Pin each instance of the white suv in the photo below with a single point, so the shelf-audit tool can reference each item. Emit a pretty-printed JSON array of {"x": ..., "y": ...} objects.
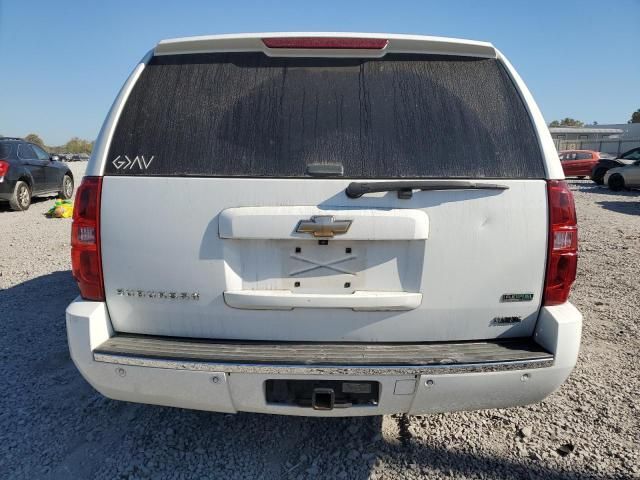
[{"x": 324, "y": 224}]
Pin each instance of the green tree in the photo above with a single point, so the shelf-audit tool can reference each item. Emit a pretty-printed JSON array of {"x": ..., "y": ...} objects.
[
  {"x": 33, "y": 138},
  {"x": 567, "y": 122},
  {"x": 78, "y": 145},
  {"x": 635, "y": 117}
]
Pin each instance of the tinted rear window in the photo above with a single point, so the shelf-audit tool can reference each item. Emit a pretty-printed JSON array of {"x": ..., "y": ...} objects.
[
  {"x": 5, "y": 150},
  {"x": 402, "y": 116}
]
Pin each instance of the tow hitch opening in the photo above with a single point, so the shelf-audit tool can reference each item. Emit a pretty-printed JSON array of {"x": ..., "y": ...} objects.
[
  {"x": 323, "y": 399},
  {"x": 322, "y": 394}
]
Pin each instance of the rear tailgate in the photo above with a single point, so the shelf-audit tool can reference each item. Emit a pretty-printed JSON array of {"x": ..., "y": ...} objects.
[
  {"x": 480, "y": 246},
  {"x": 209, "y": 212}
]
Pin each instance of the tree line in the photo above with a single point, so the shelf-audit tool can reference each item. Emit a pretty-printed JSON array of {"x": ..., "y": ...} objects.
[
  {"x": 75, "y": 145},
  {"x": 572, "y": 122}
]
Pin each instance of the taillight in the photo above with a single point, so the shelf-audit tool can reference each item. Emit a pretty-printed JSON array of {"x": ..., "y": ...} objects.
[
  {"x": 326, "y": 42},
  {"x": 86, "y": 262},
  {"x": 562, "y": 255},
  {"x": 4, "y": 169}
]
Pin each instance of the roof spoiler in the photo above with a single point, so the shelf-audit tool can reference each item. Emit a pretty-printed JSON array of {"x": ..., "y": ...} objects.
[{"x": 255, "y": 42}]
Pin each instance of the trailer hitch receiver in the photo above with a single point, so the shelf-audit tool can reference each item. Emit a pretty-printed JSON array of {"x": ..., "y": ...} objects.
[{"x": 323, "y": 399}]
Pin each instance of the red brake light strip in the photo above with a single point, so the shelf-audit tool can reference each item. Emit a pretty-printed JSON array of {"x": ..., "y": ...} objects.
[{"x": 326, "y": 43}]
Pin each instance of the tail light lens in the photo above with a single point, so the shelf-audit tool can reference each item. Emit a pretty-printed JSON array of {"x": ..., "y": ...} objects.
[
  {"x": 326, "y": 43},
  {"x": 562, "y": 257},
  {"x": 4, "y": 169},
  {"x": 86, "y": 262}
]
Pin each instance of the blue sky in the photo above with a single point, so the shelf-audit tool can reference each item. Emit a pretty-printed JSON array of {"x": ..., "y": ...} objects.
[{"x": 63, "y": 62}]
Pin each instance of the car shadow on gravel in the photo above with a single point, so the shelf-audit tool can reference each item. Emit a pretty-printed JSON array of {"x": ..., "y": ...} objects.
[
  {"x": 54, "y": 425},
  {"x": 4, "y": 206},
  {"x": 628, "y": 208},
  {"x": 602, "y": 189}
]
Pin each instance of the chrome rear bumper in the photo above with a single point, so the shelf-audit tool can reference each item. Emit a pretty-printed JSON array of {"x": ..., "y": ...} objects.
[{"x": 322, "y": 358}]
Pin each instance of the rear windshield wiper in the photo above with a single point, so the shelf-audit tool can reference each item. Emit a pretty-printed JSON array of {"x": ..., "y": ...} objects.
[{"x": 405, "y": 188}]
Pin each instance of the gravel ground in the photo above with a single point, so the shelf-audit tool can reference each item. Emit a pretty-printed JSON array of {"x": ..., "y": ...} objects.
[{"x": 54, "y": 425}]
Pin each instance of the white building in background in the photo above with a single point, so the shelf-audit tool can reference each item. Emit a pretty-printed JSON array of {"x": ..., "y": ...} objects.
[
  {"x": 610, "y": 138},
  {"x": 630, "y": 131}
]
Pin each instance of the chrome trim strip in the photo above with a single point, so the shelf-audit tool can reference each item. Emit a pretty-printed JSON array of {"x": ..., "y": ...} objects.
[{"x": 322, "y": 369}]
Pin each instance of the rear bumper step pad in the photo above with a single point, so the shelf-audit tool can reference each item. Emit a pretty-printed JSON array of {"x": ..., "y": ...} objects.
[{"x": 184, "y": 353}]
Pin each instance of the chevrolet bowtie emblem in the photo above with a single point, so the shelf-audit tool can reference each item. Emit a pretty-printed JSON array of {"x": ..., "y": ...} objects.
[{"x": 323, "y": 226}]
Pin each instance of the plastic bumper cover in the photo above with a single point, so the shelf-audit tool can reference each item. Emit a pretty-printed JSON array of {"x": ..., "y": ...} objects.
[{"x": 212, "y": 387}]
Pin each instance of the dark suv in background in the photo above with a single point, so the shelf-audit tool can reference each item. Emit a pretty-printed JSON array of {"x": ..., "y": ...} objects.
[{"x": 26, "y": 170}]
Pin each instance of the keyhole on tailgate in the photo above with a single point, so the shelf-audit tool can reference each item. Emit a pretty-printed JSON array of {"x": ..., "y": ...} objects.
[
  {"x": 323, "y": 242},
  {"x": 347, "y": 284},
  {"x": 297, "y": 284}
]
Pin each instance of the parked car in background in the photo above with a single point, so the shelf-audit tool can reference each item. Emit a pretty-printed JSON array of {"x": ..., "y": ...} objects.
[
  {"x": 357, "y": 266},
  {"x": 605, "y": 164},
  {"x": 578, "y": 163},
  {"x": 65, "y": 157},
  {"x": 80, "y": 157},
  {"x": 619, "y": 178},
  {"x": 75, "y": 157},
  {"x": 26, "y": 170}
]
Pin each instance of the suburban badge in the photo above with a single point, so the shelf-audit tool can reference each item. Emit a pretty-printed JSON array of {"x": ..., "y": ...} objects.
[
  {"x": 123, "y": 292},
  {"x": 516, "y": 297}
]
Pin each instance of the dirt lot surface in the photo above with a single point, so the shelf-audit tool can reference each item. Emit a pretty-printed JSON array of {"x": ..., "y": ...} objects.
[{"x": 54, "y": 425}]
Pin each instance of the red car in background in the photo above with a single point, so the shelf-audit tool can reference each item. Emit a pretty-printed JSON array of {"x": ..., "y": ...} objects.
[{"x": 578, "y": 163}]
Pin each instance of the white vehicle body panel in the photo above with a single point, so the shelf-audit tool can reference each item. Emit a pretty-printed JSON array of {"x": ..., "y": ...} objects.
[{"x": 461, "y": 272}]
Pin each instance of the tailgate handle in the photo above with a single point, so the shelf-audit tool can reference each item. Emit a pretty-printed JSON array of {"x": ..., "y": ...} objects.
[
  {"x": 287, "y": 300},
  {"x": 308, "y": 222},
  {"x": 405, "y": 188}
]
